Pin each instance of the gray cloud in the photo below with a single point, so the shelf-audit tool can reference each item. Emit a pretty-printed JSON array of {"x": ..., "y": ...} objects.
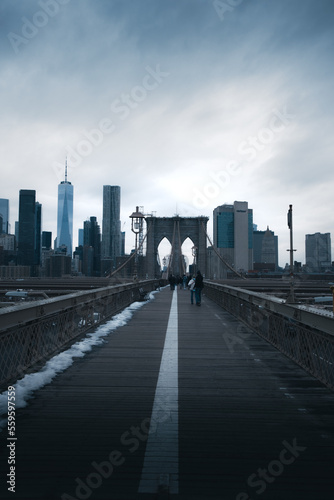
[{"x": 225, "y": 77}]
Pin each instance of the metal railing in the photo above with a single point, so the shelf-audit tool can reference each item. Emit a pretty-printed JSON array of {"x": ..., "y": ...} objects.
[
  {"x": 305, "y": 336},
  {"x": 34, "y": 331}
]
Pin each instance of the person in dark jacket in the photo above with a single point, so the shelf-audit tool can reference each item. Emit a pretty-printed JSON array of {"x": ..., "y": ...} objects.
[
  {"x": 172, "y": 281},
  {"x": 198, "y": 288}
]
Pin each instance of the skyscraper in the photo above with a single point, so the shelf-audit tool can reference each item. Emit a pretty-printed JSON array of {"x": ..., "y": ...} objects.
[
  {"x": 65, "y": 214},
  {"x": 318, "y": 251},
  {"x": 27, "y": 224},
  {"x": 265, "y": 251},
  {"x": 38, "y": 233},
  {"x": 46, "y": 240},
  {"x": 111, "y": 224},
  {"x": 233, "y": 234},
  {"x": 92, "y": 248},
  {"x": 4, "y": 214}
]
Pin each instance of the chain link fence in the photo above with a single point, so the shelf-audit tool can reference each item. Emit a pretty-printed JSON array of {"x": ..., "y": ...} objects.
[
  {"x": 302, "y": 334},
  {"x": 33, "y": 332}
]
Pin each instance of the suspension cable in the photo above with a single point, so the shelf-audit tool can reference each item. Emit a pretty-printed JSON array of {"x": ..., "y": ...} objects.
[
  {"x": 227, "y": 264},
  {"x": 171, "y": 252},
  {"x": 132, "y": 255},
  {"x": 180, "y": 249}
]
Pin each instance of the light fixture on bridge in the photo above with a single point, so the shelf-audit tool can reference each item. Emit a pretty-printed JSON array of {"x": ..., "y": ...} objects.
[
  {"x": 194, "y": 251},
  {"x": 137, "y": 220}
]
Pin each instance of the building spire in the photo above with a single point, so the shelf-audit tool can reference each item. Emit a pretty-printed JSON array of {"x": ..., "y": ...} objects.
[{"x": 66, "y": 170}]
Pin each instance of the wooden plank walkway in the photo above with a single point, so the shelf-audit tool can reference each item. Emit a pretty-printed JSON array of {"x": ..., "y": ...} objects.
[{"x": 251, "y": 424}]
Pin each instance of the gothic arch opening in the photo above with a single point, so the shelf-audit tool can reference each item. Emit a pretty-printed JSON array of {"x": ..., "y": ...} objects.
[
  {"x": 187, "y": 252},
  {"x": 163, "y": 254}
]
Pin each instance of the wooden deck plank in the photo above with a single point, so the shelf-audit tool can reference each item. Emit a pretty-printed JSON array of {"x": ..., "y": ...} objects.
[{"x": 238, "y": 404}]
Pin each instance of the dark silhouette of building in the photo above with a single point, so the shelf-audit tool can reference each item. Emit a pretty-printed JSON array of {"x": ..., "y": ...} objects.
[
  {"x": 58, "y": 265},
  {"x": 46, "y": 240},
  {"x": 38, "y": 234},
  {"x": 27, "y": 224},
  {"x": 78, "y": 259},
  {"x": 92, "y": 248}
]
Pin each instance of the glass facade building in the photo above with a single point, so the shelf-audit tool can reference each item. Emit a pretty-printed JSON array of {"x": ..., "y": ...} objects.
[
  {"x": 4, "y": 214},
  {"x": 233, "y": 234},
  {"x": 111, "y": 224},
  {"x": 65, "y": 216}
]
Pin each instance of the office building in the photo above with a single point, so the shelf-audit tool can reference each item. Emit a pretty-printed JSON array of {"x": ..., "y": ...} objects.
[
  {"x": 4, "y": 215},
  {"x": 91, "y": 248},
  {"x": 26, "y": 227},
  {"x": 265, "y": 250},
  {"x": 123, "y": 243},
  {"x": 233, "y": 236},
  {"x": 46, "y": 240},
  {"x": 111, "y": 224},
  {"x": 65, "y": 215},
  {"x": 7, "y": 242},
  {"x": 38, "y": 234},
  {"x": 58, "y": 265},
  {"x": 318, "y": 252},
  {"x": 80, "y": 237}
]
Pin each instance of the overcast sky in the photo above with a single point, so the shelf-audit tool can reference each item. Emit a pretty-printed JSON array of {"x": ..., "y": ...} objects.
[{"x": 185, "y": 104}]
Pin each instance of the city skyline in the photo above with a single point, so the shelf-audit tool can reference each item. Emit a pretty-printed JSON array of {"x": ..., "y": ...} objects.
[
  {"x": 111, "y": 202},
  {"x": 184, "y": 106}
]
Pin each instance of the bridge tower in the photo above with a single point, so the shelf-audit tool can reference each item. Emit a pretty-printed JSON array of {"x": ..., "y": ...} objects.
[{"x": 176, "y": 230}]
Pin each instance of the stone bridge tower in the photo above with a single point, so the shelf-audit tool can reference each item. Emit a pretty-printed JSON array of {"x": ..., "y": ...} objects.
[{"x": 176, "y": 230}]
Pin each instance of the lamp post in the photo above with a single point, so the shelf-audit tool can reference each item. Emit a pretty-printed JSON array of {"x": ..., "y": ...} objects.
[
  {"x": 137, "y": 219},
  {"x": 194, "y": 252},
  {"x": 291, "y": 297}
]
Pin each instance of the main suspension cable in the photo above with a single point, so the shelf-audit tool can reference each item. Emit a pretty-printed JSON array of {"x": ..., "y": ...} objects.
[
  {"x": 132, "y": 255},
  {"x": 227, "y": 264}
]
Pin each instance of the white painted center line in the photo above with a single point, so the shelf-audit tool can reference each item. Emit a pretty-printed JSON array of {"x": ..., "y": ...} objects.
[{"x": 161, "y": 460}]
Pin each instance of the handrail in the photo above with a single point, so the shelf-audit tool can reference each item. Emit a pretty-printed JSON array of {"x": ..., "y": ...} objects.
[
  {"x": 33, "y": 332},
  {"x": 306, "y": 315},
  {"x": 302, "y": 334},
  {"x": 30, "y": 311}
]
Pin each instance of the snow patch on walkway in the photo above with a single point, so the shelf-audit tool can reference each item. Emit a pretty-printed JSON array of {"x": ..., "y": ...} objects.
[{"x": 25, "y": 387}]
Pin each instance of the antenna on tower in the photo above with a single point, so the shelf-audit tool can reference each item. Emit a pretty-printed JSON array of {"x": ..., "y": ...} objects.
[{"x": 66, "y": 170}]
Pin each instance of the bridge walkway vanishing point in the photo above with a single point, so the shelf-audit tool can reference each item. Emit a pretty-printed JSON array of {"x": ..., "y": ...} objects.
[{"x": 230, "y": 420}]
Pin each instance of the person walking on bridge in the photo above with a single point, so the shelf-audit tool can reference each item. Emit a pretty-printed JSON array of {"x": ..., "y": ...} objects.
[
  {"x": 172, "y": 281},
  {"x": 198, "y": 288},
  {"x": 191, "y": 286}
]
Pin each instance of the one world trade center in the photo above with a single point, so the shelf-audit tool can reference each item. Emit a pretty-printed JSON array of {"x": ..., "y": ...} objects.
[{"x": 65, "y": 215}]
